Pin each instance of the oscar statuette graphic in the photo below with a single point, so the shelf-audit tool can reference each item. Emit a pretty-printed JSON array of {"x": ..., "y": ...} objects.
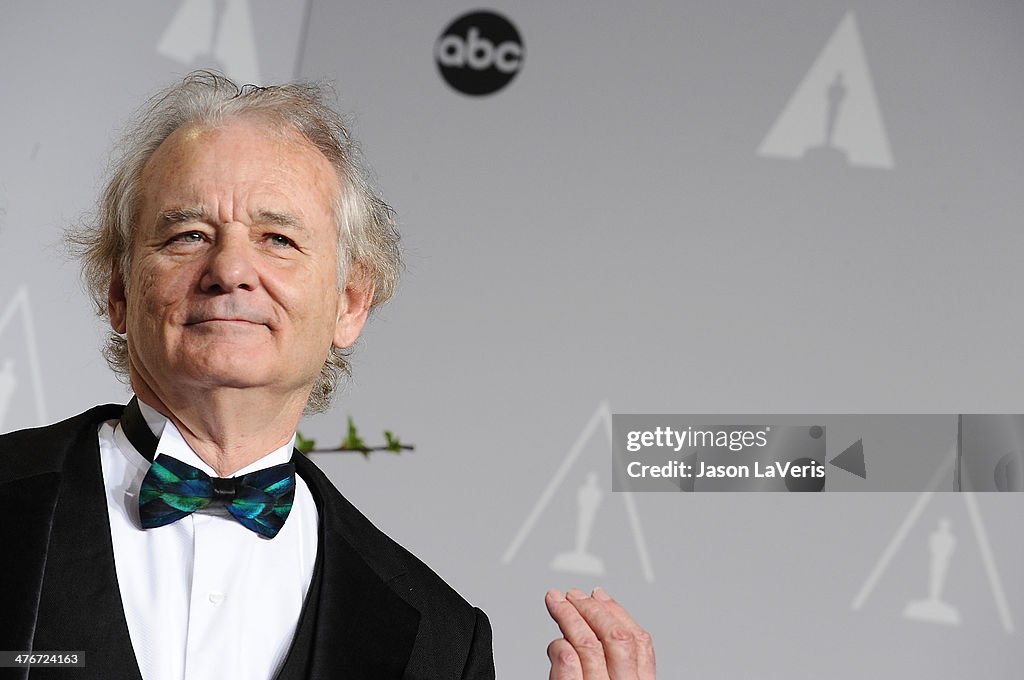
[
  {"x": 941, "y": 545},
  {"x": 579, "y": 561}
]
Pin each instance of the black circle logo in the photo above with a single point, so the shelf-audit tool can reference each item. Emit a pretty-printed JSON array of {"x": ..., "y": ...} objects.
[{"x": 479, "y": 53}]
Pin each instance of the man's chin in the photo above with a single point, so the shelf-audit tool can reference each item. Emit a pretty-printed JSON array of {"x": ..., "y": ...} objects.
[
  {"x": 232, "y": 370},
  {"x": 231, "y": 379}
]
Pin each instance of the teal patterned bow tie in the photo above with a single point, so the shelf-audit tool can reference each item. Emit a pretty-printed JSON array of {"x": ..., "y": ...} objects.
[{"x": 260, "y": 500}]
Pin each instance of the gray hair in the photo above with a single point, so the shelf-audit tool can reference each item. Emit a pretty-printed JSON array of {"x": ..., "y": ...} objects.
[{"x": 367, "y": 235}]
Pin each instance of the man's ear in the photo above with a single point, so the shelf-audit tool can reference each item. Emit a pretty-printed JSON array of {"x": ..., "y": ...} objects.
[
  {"x": 355, "y": 306},
  {"x": 117, "y": 303}
]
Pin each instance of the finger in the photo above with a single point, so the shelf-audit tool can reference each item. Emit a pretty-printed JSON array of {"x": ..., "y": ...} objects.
[
  {"x": 579, "y": 634},
  {"x": 617, "y": 639},
  {"x": 565, "y": 663},
  {"x": 644, "y": 643}
]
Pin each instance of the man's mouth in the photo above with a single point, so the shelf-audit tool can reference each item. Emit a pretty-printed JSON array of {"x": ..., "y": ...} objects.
[{"x": 231, "y": 321}]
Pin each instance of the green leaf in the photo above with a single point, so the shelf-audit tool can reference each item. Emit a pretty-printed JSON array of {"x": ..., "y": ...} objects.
[
  {"x": 353, "y": 442},
  {"x": 304, "y": 445},
  {"x": 393, "y": 443}
]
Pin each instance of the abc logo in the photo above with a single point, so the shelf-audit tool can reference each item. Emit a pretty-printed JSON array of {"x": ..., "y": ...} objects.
[{"x": 479, "y": 53}]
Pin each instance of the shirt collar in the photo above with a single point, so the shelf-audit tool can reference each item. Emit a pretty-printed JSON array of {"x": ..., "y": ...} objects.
[{"x": 173, "y": 444}]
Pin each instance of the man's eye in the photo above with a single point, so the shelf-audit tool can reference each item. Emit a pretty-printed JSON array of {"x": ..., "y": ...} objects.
[
  {"x": 188, "y": 237},
  {"x": 279, "y": 240}
]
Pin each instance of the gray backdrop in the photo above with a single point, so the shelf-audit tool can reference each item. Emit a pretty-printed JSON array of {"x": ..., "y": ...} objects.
[{"x": 652, "y": 217}]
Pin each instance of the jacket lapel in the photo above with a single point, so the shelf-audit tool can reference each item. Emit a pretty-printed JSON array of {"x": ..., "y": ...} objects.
[
  {"x": 33, "y": 483},
  {"x": 363, "y": 629},
  {"x": 89, "y": 615}
]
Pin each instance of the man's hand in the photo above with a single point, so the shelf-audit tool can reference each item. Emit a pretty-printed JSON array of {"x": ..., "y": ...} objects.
[{"x": 601, "y": 641}]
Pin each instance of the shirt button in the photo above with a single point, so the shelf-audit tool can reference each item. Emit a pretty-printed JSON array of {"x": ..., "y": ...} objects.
[{"x": 216, "y": 598}]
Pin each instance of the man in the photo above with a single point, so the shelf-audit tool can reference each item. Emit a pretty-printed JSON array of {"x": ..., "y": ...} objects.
[{"x": 238, "y": 251}]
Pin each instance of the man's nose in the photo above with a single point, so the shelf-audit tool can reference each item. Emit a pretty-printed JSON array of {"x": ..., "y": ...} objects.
[{"x": 230, "y": 265}]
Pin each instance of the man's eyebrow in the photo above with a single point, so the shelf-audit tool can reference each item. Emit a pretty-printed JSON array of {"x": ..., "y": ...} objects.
[
  {"x": 278, "y": 219},
  {"x": 174, "y": 216}
]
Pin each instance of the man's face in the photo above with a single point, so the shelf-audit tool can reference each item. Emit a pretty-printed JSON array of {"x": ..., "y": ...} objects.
[{"x": 233, "y": 282}]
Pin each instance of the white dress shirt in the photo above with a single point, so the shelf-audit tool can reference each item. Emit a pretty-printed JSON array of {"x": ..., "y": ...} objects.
[{"x": 204, "y": 597}]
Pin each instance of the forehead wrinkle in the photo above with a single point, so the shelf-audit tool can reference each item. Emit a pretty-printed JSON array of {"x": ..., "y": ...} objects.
[{"x": 296, "y": 159}]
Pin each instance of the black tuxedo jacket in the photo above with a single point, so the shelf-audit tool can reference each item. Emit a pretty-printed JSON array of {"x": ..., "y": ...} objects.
[{"x": 373, "y": 610}]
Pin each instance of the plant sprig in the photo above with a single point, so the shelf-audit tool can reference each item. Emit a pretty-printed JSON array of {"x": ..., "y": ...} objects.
[{"x": 353, "y": 443}]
